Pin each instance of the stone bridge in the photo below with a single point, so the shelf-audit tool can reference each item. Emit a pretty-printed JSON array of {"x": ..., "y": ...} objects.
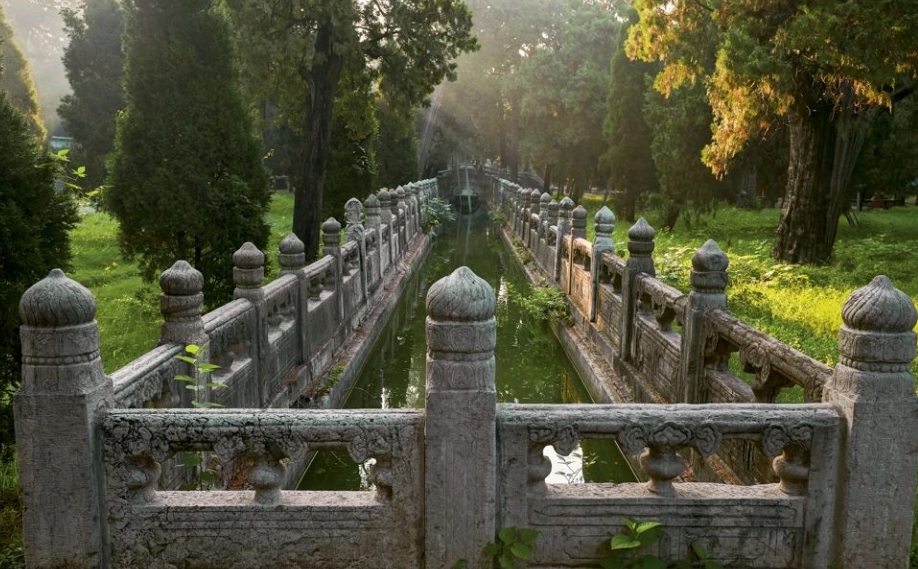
[{"x": 828, "y": 483}]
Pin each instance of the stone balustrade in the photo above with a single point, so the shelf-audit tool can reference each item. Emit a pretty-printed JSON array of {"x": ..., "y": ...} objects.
[{"x": 841, "y": 477}]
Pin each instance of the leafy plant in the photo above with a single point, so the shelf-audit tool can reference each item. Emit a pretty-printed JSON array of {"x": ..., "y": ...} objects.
[
  {"x": 544, "y": 303},
  {"x": 626, "y": 550},
  {"x": 511, "y": 546},
  {"x": 200, "y": 369},
  {"x": 497, "y": 216},
  {"x": 436, "y": 212}
]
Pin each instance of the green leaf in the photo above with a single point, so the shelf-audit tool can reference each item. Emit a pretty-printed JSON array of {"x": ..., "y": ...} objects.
[
  {"x": 506, "y": 562},
  {"x": 191, "y": 459},
  {"x": 623, "y": 542},
  {"x": 507, "y": 534},
  {"x": 646, "y": 526},
  {"x": 207, "y": 367},
  {"x": 186, "y": 359},
  {"x": 183, "y": 378},
  {"x": 216, "y": 385},
  {"x": 522, "y": 551},
  {"x": 192, "y": 349},
  {"x": 700, "y": 552},
  {"x": 651, "y": 562},
  {"x": 612, "y": 563},
  {"x": 681, "y": 564},
  {"x": 491, "y": 550},
  {"x": 528, "y": 535}
]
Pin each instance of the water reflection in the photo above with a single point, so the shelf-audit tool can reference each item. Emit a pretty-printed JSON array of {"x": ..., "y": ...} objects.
[{"x": 532, "y": 367}]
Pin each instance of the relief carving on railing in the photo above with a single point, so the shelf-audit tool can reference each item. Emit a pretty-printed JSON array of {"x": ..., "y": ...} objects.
[{"x": 564, "y": 440}]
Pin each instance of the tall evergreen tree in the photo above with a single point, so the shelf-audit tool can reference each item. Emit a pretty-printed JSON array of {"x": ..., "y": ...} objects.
[
  {"x": 186, "y": 178},
  {"x": 94, "y": 61},
  {"x": 16, "y": 80},
  {"x": 35, "y": 221}
]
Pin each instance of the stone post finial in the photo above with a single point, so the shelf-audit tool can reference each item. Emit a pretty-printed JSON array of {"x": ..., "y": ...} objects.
[
  {"x": 873, "y": 388},
  {"x": 535, "y": 197},
  {"x": 63, "y": 397},
  {"x": 640, "y": 241},
  {"x": 331, "y": 234},
  {"x": 709, "y": 270},
  {"x": 579, "y": 222},
  {"x": 640, "y": 249},
  {"x": 292, "y": 255},
  {"x": 372, "y": 205},
  {"x": 553, "y": 212},
  {"x": 604, "y": 223},
  {"x": 461, "y": 405},
  {"x": 248, "y": 268},
  {"x": 400, "y": 193},
  {"x": 181, "y": 304},
  {"x": 385, "y": 204}
]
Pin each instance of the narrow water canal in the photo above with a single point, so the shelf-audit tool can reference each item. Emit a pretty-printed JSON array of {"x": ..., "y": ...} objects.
[{"x": 532, "y": 367}]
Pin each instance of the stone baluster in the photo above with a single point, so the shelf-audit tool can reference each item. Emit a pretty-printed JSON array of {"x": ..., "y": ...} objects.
[
  {"x": 579, "y": 223},
  {"x": 640, "y": 249},
  {"x": 267, "y": 477},
  {"x": 372, "y": 205},
  {"x": 385, "y": 212},
  {"x": 401, "y": 211},
  {"x": 353, "y": 212},
  {"x": 63, "y": 397},
  {"x": 331, "y": 243},
  {"x": 523, "y": 224},
  {"x": 534, "y": 197},
  {"x": 604, "y": 224},
  {"x": 182, "y": 304},
  {"x": 564, "y": 228},
  {"x": 415, "y": 210},
  {"x": 544, "y": 201},
  {"x": 708, "y": 279},
  {"x": 292, "y": 261},
  {"x": 553, "y": 210},
  {"x": 461, "y": 454},
  {"x": 248, "y": 272},
  {"x": 874, "y": 389}
]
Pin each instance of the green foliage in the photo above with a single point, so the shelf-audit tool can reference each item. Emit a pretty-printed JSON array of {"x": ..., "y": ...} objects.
[
  {"x": 34, "y": 224},
  {"x": 94, "y": 62},
  {"x": 16, "y": 80},
  {"x": 396, "y": 146},
  {"x": 200, "y": 370},
  {"x": 437, "y": 212},
  {"x": 497, "y": 216},
  {"x": 626, "y": 550},
  {"x": 543, "y": 303},
  {"x": 11, "y": 550},
  {"x": 186, "y": 179},
  {"x": 511, "y": 546}
]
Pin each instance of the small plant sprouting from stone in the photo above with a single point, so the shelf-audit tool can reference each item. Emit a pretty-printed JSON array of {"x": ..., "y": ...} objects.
[
  {"x": 625, "y": 550},
  {"x": 498, "y": 217},
  {"x": 512, "y": 546},
  {"x": 200, "y": 369}
]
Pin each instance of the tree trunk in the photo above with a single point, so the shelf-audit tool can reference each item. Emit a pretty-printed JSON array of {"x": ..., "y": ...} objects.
[
  {"x": 546, "y": 181},
  {"x": 322, "y": 79},
  {"x": 824, "y": 146}
]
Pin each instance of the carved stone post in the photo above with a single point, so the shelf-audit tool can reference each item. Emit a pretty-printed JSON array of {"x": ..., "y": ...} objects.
[
  {"x": 64, "y": 396},
  {"x": 604, "y": 223},
  {"x": 385, "y": 213},
  {"x": 331, "y": 243},
  {"x": 564, "y": 228},
  {"x": 640, "y": 249},
  {"x": 401, "y": 211},
  {"x": 374, "y": 222},
  {"x": 709, "y": 279},
  {"x": 535, "y": 197},
  {"x": 461, "y": 455},
  {"x": 873, "y": 388},
  {"x": 292, "y": 259},
  {"x": 181, "y": 304},
  {"x": 248, "y": 272},
  {"x": 553, "y": 210},
  {"x": 579, "y": 223},
  {"x": 353, "y": 212}
]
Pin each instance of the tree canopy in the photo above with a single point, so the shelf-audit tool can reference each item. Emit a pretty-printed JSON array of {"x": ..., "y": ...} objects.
[
  {"x": 186, "y": 178},
  {"x": 16, "y": 80},
  {"x": 826, "y": 67},
  {"x": 94, "y": 61},
  {"x": 295, "y": 51}
]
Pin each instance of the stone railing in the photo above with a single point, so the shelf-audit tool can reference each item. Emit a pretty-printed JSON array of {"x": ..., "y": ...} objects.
[
  {"x": 441, "y": 481},
  {"x": 663, "y": 345}
]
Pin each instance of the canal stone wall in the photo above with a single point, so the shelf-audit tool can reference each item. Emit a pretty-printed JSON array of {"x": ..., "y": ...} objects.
[{"x": 839, "y": 491}]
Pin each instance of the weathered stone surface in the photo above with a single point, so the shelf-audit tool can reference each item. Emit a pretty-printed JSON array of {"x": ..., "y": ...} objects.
[
  {"x": 181, "y": 304},
  {"x": 292, "y": 255}
]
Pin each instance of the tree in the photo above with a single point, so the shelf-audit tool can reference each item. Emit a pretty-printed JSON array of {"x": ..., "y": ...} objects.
[
  {"x": 628, "y": 158},
  {"x": 94, "y": 61},
  {"x": 186, "y": 178},
  {"x": 16, "y": 80},
  {"x": 296, "y": 52},
  {"x": 396, "y": 146},
  {"x": 829, "y": 68},
  {"x": 35, "y": 221}
]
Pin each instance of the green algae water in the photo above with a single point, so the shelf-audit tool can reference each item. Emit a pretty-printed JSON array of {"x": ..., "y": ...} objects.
[{"x": 532, "y": 367}]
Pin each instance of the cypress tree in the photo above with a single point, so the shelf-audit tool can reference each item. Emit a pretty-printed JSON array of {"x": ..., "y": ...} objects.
[
  {"x": 16, "y": 80},
  {"x": 94, "y": 62},
  {"x": 186, "y": 177}
]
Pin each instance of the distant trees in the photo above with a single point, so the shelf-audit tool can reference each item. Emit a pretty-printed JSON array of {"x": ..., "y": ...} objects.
[
  {"x": 35, "y": 221},
  {"x": 296, "y": 52},
  {"x": 186, "y": 178},
  {"x": 94, "y": 62},
  {"x": 827, "y": 68},
  {"x": 16, "y": 80}
]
